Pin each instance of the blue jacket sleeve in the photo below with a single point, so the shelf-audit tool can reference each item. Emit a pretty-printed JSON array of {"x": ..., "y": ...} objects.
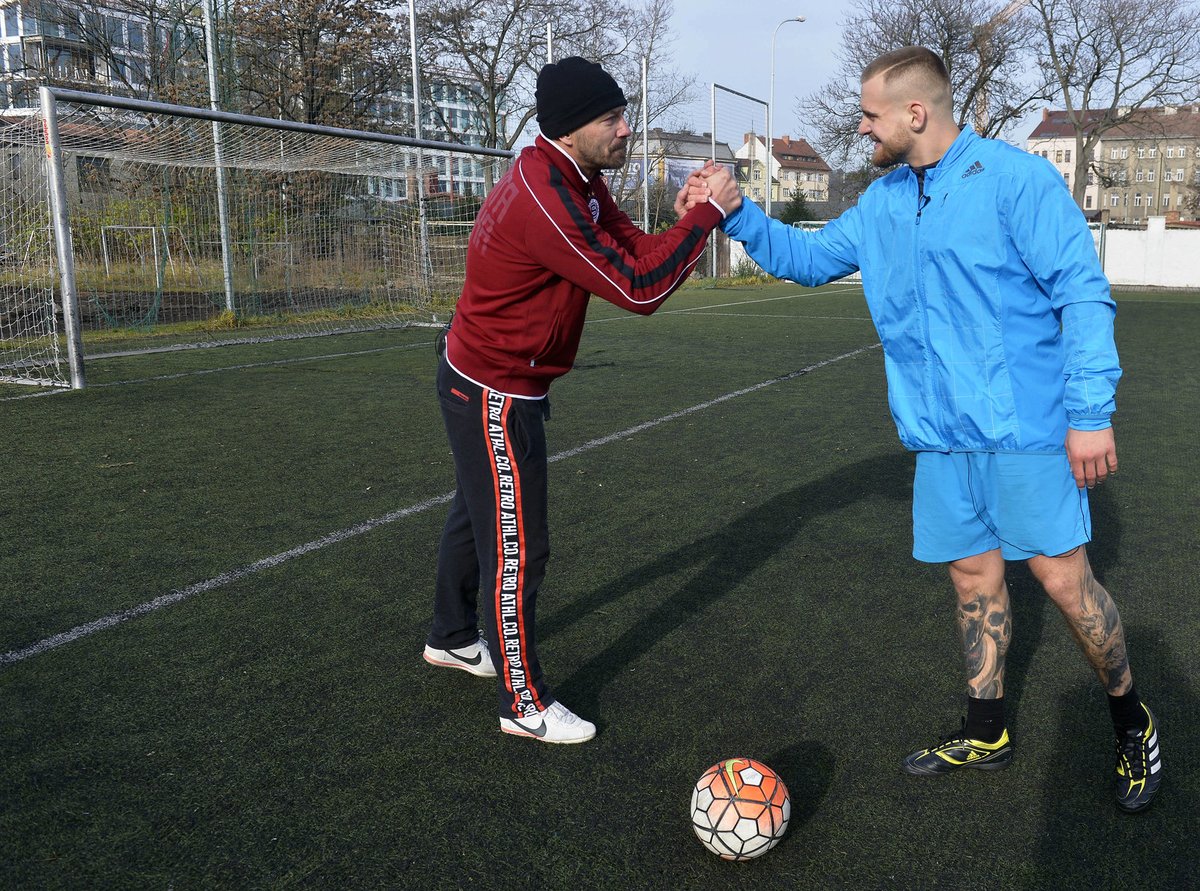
[
  {"x": 1052, "y": 237},
  {"x": 810, "y": 258}
]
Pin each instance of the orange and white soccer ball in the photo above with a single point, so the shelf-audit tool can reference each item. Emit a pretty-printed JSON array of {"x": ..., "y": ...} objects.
[{"x": 740, "y": 808}]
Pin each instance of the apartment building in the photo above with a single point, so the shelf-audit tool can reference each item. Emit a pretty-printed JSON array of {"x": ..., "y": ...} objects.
[
  {"x": 1149, "y": 166},
  {"x": 98, "y": 48},
  {"x": 793, "y": 165}
]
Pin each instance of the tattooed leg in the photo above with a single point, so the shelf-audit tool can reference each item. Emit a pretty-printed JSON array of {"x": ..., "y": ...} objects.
[
  {"x": 984, "y": 621},
  {"x": 1091, "y": 615}
]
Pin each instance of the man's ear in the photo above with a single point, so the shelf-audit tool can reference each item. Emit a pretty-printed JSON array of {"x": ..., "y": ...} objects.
[{"x": 918, "y": 116}]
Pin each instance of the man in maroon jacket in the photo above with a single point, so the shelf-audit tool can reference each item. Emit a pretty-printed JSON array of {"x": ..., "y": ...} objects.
[{"x": 547, "y": 236}]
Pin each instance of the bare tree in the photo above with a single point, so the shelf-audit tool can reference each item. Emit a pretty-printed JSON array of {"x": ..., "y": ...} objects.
[
  {"x": 983, "y": 45},
  {"x": 317, "y": 61},
  {"x": 493, "y": 49},
  {"x": 1110, "y": 59},
  {"x": 667, "y": 89}
]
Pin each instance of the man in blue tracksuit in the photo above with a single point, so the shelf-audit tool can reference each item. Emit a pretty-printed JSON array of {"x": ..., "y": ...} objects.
[{"x": 997, "y": 330}]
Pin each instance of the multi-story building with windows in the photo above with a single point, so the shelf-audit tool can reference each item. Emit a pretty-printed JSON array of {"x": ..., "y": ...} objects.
[
  {"x": 90, "y": 47},
  {"x": 1054, "y": 139},
  {"x": 1149, "y": 166},
  {"x": 1152, "y": 167},
  {"x": 103, "y": 49},
  {"x": 792, "y": 166}
]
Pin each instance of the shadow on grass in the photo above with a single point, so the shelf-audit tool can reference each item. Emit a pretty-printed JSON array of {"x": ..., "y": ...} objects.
[
  {"x": 809, "y": 768},
  {"x": 727, "y": 557},
  {"x": 1087, "y": 841}
]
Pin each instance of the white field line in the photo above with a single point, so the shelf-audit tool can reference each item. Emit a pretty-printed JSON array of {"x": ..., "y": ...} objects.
[
  {"x": 177, "y": 596},
  {"x": 623, "y": 317},
  {"x": 199, "y": 371},
  {"x": 699, "y": 309}
]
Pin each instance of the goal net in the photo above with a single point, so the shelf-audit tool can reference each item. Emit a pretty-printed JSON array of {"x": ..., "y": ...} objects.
[
  {"x": 30, "y": 350},
  {"x": 740, "y": 121},
  {"x": 323, "y": 231}
]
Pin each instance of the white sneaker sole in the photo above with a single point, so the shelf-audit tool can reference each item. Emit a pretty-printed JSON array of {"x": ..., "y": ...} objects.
[
  {"x": 514, "y": 729},
  {"x": 482, "y": 670}
]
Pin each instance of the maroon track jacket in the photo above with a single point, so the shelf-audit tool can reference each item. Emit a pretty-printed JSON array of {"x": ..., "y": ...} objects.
[{"x": 544, "y": 240}]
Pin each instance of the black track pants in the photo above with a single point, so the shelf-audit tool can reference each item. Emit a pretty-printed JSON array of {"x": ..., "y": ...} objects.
[{"x": 496, "y": 542}]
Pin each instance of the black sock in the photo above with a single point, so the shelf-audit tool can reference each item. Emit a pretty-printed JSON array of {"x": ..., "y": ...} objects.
[
  {"x": 1127, "y": 712},
  {"x": 985, "y": 719}
]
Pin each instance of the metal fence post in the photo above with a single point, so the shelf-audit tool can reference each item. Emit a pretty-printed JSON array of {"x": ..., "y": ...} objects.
[
  {"x": 210, "y": 38},
  {"x": 60, "y": 212}
]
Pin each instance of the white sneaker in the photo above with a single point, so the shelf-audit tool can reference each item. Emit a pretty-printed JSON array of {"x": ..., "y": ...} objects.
[
  {"x": 473, "y": 658},
  {"x": 557, "y": 724}
]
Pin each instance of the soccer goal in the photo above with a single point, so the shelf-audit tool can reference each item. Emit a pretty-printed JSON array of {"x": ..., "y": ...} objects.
[
  {"x": 193, "y": 227},
  {"x": 738, "y": 121}
]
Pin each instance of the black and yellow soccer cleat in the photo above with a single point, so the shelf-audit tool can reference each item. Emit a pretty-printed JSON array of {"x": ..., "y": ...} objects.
[
  {"x": 956, "y": 752},
  {"x": 1139, "y": 766}
]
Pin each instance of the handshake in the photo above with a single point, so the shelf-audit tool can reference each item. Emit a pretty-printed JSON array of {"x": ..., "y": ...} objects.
[{"x": 710, "y": 181}]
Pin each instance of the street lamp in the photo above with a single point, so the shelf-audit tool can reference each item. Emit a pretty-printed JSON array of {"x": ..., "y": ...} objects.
[{"x": 771, "y": 108}]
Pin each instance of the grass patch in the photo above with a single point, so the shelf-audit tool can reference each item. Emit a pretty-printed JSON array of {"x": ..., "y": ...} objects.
[{"x": 736, "y": 581}]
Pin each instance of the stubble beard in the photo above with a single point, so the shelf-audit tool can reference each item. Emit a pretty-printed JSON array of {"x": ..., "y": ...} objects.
[{"x": 616, "y": 156}]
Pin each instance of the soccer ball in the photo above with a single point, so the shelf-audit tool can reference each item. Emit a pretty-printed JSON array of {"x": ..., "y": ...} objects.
[{"x": 740, "y": 808}]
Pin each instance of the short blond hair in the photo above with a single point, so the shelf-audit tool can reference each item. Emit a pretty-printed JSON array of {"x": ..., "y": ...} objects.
[{"x": 914, "y": 67}]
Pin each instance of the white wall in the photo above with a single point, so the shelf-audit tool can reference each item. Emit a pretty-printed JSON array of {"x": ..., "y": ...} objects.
[{"x": 1155, "y": 256}]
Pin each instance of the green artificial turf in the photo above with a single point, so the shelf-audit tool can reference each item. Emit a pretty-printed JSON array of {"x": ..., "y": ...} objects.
[{"x": 735, "y": 580}]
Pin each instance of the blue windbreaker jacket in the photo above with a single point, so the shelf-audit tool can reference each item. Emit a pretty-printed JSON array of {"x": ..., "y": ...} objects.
[{"x": 995, "y": 317}]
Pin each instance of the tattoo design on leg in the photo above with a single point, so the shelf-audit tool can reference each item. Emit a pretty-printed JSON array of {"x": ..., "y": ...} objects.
[
  {"x": 1100, "y": 633},
  {"x": 985, "y": 625}
]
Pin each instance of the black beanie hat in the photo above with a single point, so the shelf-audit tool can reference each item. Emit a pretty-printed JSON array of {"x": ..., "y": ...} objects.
[{"x": 572, "y": 92}]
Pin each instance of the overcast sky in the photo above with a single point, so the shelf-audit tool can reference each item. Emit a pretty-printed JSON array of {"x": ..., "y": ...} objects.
[
  {"x": 733, "y": 48},
  {"x": 714, "y": 42}
]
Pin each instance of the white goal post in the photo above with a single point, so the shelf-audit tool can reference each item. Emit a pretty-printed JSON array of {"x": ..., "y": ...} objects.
[{"x": 113, "y": 241}]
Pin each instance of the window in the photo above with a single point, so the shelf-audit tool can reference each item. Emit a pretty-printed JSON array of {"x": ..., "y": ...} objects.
[
  {"x": 1141, "y": 176},
  {"x": 1067, "y": 179},
  {"x": 1178, "y": 174},
  {"x": 1087, "y": 201},
  {"x": 1166, "y": 201},
  {"x": 1124, "y": 153},
  {"x": 1137, "y": 199},
  {"x": 1113, "y": 200},
  {"x": 1170, "y": 151},
  {"x": 116, "y": 31},
  {"x": 11, "y": 28},
  {"x": 1112, "y": 154},
  {"x": 1149, "y": 176},
  {"x": 1058, "y": 157},
  {"x": 1067, "y": 156},
  {"x": 1141, "y": 152},
  {"x": 137, "y": 37},
  {"x": 1153, "y": 152}
]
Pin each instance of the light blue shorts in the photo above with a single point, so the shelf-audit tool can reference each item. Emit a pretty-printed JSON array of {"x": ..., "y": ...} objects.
[{"x": 967, "y": 503}]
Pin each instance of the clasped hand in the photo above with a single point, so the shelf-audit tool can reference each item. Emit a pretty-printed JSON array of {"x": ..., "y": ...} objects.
[{"x": 710, "y": 181}]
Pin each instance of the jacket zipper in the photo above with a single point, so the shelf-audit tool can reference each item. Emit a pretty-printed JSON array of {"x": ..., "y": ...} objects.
[{"x": 919, "y": 281}]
